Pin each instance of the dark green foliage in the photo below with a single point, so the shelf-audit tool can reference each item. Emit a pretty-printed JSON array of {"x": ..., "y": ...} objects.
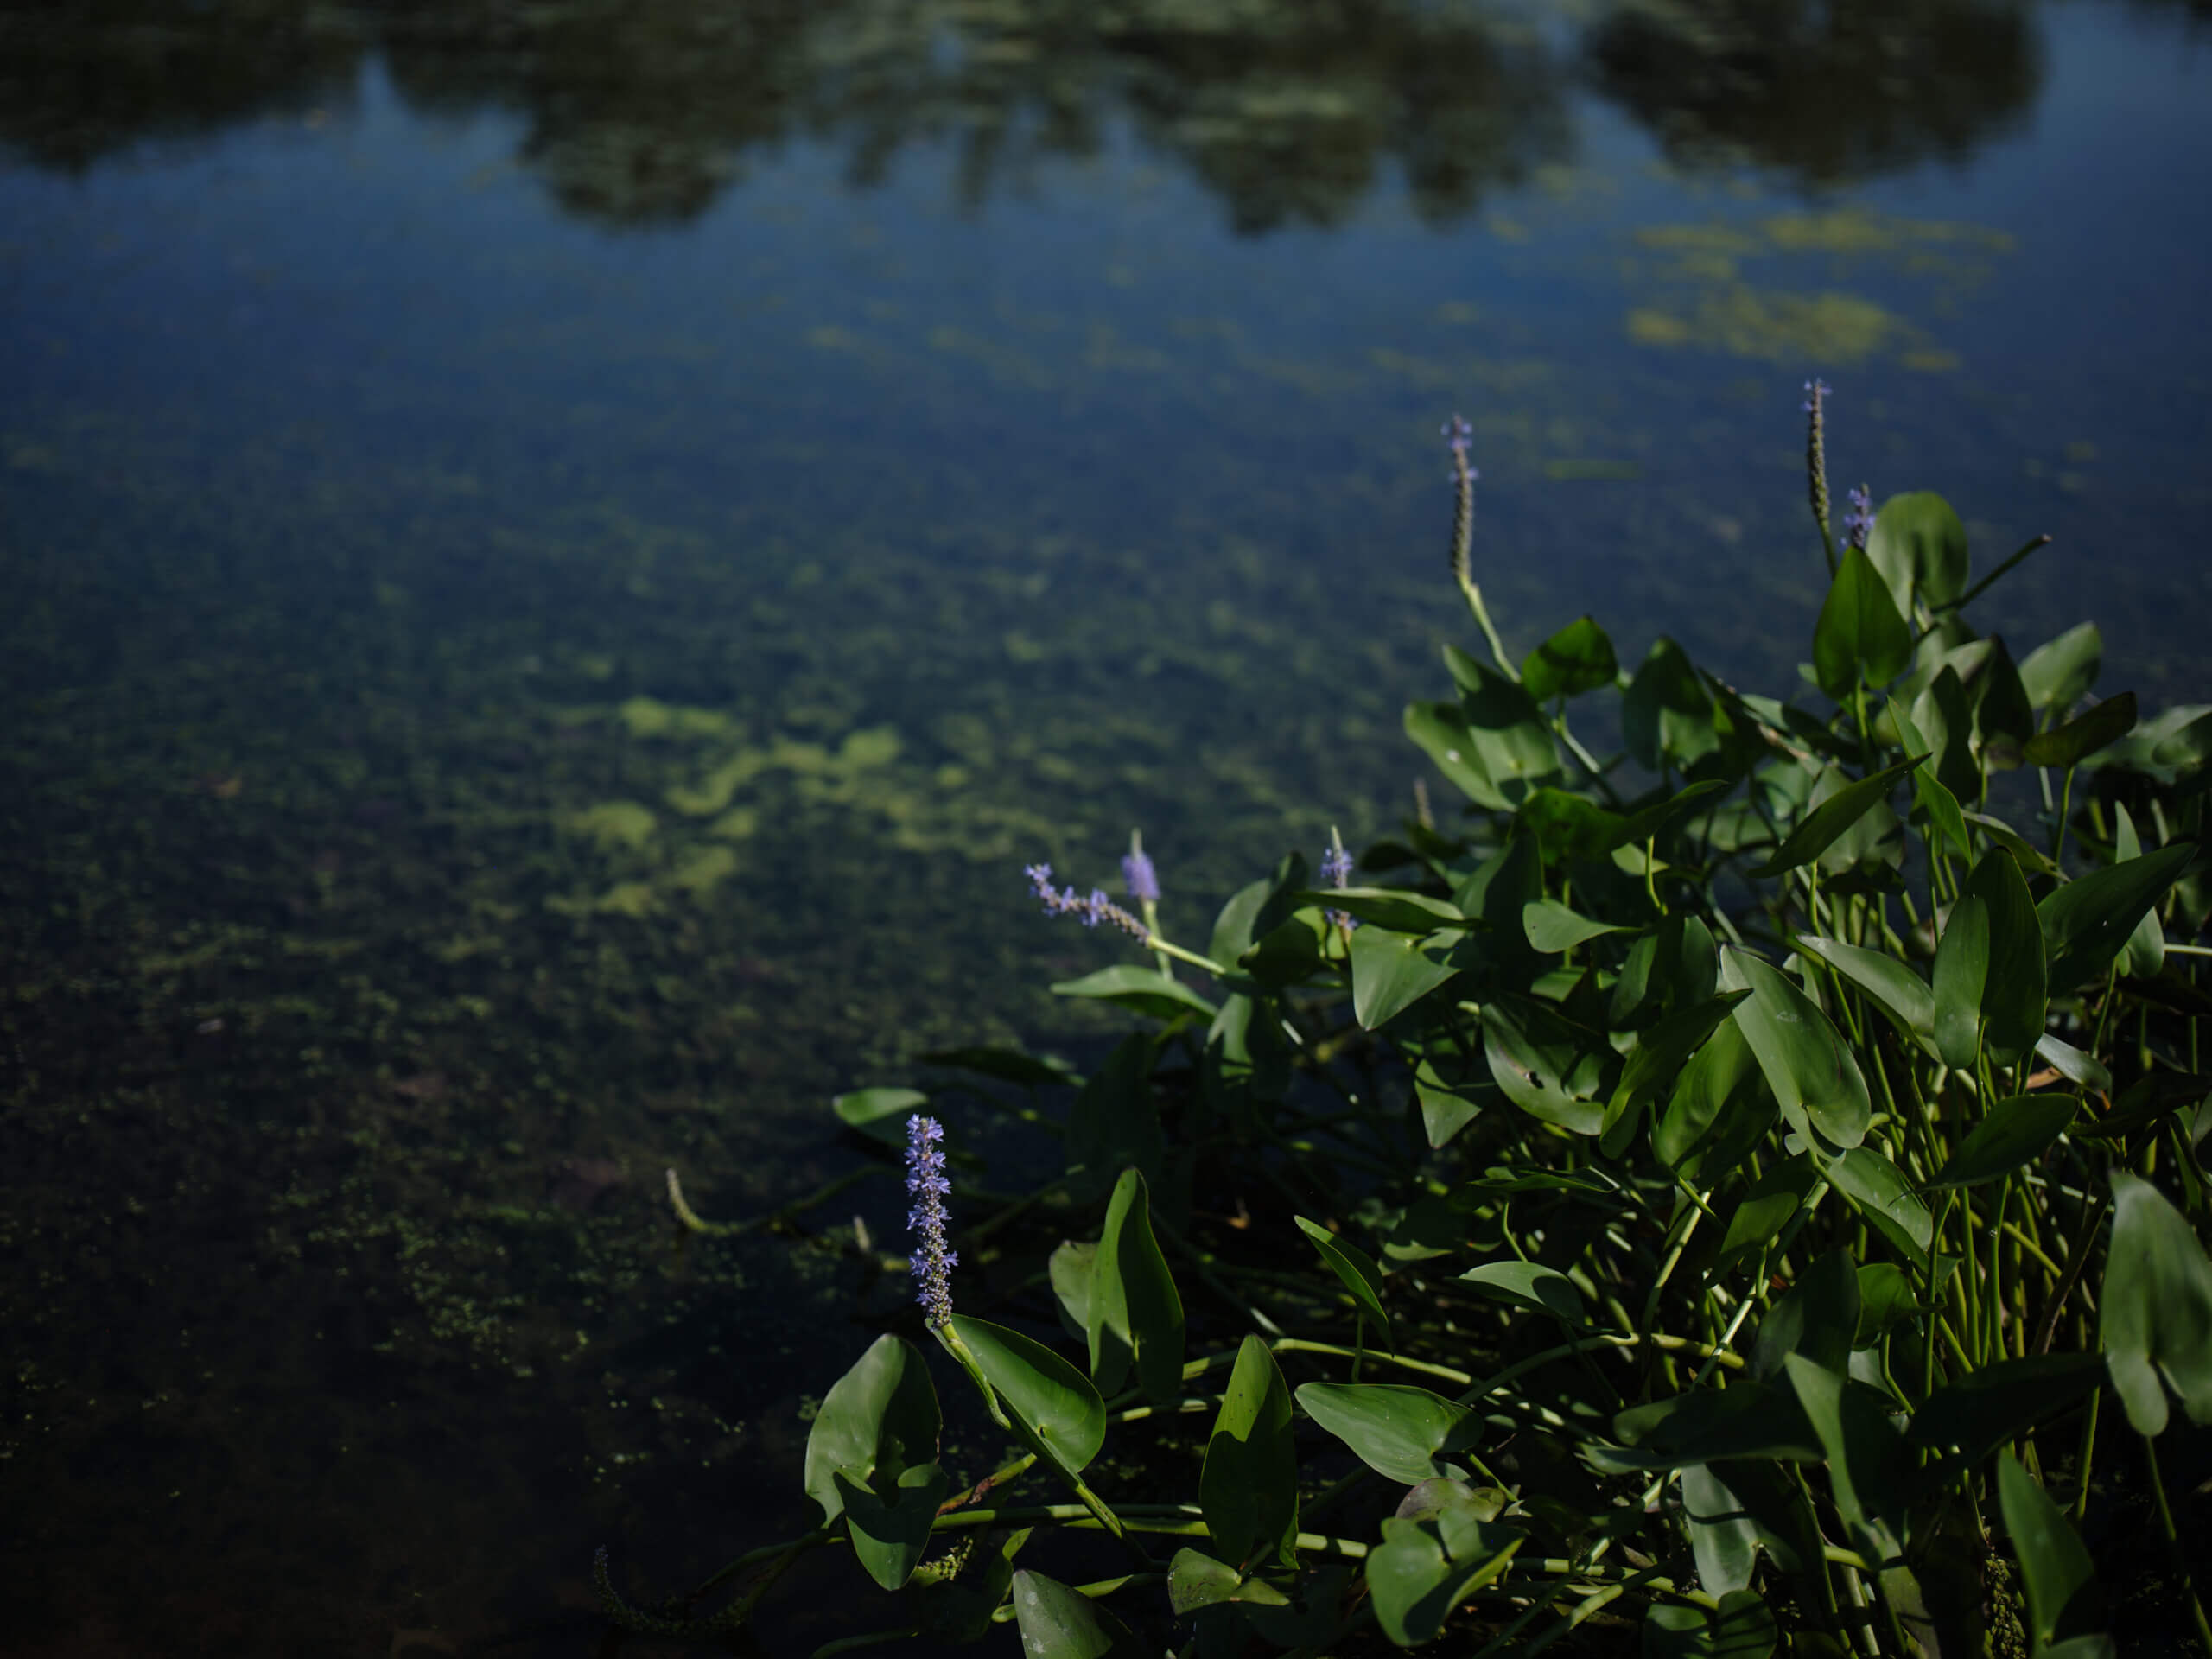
[{"x": 1706, "y": 1175}]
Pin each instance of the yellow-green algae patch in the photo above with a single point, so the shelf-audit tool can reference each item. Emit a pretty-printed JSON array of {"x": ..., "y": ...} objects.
[
  {"x": 613, "y": 824},
  {"x": 649, "y": 717},
  {"x": 1831, "y": 328},
  {"x": 703, "y": 868}
]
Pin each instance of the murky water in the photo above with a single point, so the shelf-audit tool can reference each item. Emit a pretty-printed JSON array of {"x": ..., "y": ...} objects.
[{"x": 557, "y": 561}]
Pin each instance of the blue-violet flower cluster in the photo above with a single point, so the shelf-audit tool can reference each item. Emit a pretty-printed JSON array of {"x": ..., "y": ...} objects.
[
  {"x": 1139, "y": 878},
  {"x": 1858, "y": 523},
  {"x": 1091, "y": 911},
  {"x": 926, "y": 1178},
  {"x": 1336, "y": 870}
]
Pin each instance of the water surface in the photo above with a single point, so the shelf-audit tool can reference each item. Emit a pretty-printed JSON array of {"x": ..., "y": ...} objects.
[{"x": 558, "y": 561}]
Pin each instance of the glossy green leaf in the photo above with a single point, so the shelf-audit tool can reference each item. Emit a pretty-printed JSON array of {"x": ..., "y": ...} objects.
[
  {"x": 1006, "y": 1065},
  {"x": 1195, "y": 1579},
  {"x": 1442, "y": 731},
  {"x": 1569, "y": 826},
  {"x": 2013, "y": 1133},
  {"x": 1821, "y": 827},
  {"x": 1388, "y": 907},
  {"x": 1878, "y": 1191},
  {"x": 1962, "y": 970},
  {"x": 1931, "y": 791},
  {"x": 1887, "y": 1301},
  {"x": 1140, "y": 989},
  {"x": 1667, "y": 712},
  {"x": 1753, "y": 1420},
  {"x": 880, "y": 1114},
  {"x": 2155, "y": 1315},
  {"x": 1901, "y": 994},
  {"x": 1742, "y": 1627},
  {"x": 1248, "y": 1488},
  {"x": 1920, "y": 547},
  {"x": 1073, "y": 1268},
  {"x": 1767, "y": 1207},
  {"x": 2087, "y": 922},
  {"x": 2084, "y": 1070},
  {"x": 1287, "y": 954},
  {"x": 1941, "y": 723},
  {"x": 1397, "y": 1431},
  {"x": 2095, "y": 727},
  {"x": 1135, "y": 1312},
  {"x": 1807, "y": 1063},
  {"x": 1724, "y": 1538},
  {"x": 1543, "y": 1065},
  {"x": 2016, "y": 992},
  {"x": 1051, "y": 1396},
  {"x": 1446, "y": 1108},
  {"x": 889, "y": 1522},
  {"x": 2025, "y": 852},
  {"x": 1860, "y": 637},
  {"x": 2061, "y": 1586},
  {"x": 2058, "y": 673},
  {"x": 1526, "y": 1284},
  {"x": 1817, "y": 1317},
  {"x": 1058, "y": 1624},
  {"x": 2145, "y": 953},
  {"x": 1114, "y": 1122},
  {"x": 1516, "y": 747},
  {"x": 1553, "y": 928},
  {"x": 1355, "y": 1270},
  {"x": 1661, "y": 1053},
  {"x": 1428, "y": 1564},
  {"x": 1390, "y": 972},
  {"x": 1578, "y": 658},
  {"x": 880, "y": 1416},
  {"x": 1870, "y": 1466},
  {"x": 1255, "y": 910},
  {"x": 1999, "y": 1403},
  {"x": 1720, "y": 1101}
]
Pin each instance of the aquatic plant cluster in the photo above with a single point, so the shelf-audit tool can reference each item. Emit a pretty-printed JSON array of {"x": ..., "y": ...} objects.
[{"x": 1741, "y": 1192}]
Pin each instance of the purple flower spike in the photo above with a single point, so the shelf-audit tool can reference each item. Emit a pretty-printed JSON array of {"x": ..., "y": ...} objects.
[
  {"x": 1089, "y": 912},
  {"x": 1139, "y": 878},
  {"x": 1336, "y": 867},
  {"x": 931, "y": 1262},
  {"x": 1858, "y": 523},
  {"x": 1459, "y": 436}
]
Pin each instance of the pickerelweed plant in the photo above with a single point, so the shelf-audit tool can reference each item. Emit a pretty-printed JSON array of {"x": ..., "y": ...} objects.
[{"x": 1748, "y": 1185}]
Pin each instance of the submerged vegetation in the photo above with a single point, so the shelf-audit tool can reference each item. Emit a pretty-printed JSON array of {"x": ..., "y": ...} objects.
[{"x": 1736, "y": 1186}]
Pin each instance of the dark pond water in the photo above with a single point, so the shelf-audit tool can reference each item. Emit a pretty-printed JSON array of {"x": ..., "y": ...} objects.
[{"x": 556, "y": 561}]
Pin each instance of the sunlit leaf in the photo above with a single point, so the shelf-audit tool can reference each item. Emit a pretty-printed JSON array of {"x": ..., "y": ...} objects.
[
  {"x": 1821, "y": 827},
  {"x": 1135, "y": 1312},
  {"x": 880, "y": 1114},
  {"x": 2156, "y": 1309},
  {"x": 2016, "y": 992},
  {"x": 1058, "y": 1624},
  {"x": 1196, "y": 1580},
  {"x": 1807, "y": 1063},
  {"x": 1399, "y": 1432},
  {"x": 1578, "y": 658},
  {"x": 1525, "y": 1284},
  {"x": 2058, "y": 673},
  {"x": 2061, "y": 1586},
  {"x": 1919, "y": 546},
  {"x": 2087, "y": 922},
  {"x": 1961, "y": 969},
  {"x": 1878, "y": 1191},
  {"x": 871, "y": 1456},
  {"x": 1390, "y": 972},
  {"x": 1428, "y": 1564},
  {"x": 1051, "y": 1396},
  {"x": 2014, "y": 1132},
  {"x": 1355, "y": 1270},
  {"x": 1139, "y": 990},
  {"x": 1553, "y": 928},
  {"x": 1860, "y": 636},
  {"x": 2093, "y": 729},
  {"x": 1248, "y": 1488},
  {"x": 1902, "y": 996}
]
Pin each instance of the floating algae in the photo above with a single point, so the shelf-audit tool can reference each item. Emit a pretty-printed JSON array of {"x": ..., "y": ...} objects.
[{"x": 614, "y": 824}]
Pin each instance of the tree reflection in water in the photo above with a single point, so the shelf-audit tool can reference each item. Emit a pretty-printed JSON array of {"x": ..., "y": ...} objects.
[{"x": 641, "y": 113}]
